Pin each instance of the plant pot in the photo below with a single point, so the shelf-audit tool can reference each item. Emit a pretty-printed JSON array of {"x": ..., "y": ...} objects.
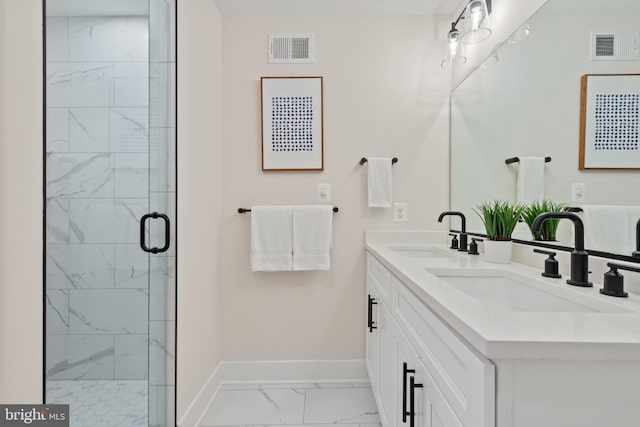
[{"x": 498, "y": 251}]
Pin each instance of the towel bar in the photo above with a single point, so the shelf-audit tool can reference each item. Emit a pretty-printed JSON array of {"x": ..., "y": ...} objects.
[
  {"x": 516, "y": 160},
  {"x": 364, "y": 160},
  {"x": 244, "y": 210}
]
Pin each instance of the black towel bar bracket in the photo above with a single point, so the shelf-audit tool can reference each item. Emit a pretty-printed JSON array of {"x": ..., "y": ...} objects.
[
  {"x": 244, "y": 210},
  {"x": 516, "y": 160},
  {"x": 364, "y": 160}
]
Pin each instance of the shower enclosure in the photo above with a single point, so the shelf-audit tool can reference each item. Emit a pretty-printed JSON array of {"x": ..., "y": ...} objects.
[{"x": 110, "y": 187}]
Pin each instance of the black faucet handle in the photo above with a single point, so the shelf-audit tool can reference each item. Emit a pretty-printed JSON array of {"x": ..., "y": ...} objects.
[
  {"x": 551, "y": 265},
  {"x": 473, "y": 246},
  {"x": 614, "y": 281},
  {"x": 540, "y": 251},
  {"x": 454, "y": 241}
]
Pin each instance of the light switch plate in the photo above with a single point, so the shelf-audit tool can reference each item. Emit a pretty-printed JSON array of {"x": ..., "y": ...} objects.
[
  {"x": 400, "y": 212},
  {"x": 577, "y": 192},
  {"x": 324, "y": 192}
]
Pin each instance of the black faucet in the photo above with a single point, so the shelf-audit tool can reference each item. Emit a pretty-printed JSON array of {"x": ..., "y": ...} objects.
[
  {"x": 636, "y": 253},
  {"x": 462, "y": 246},
  {"x": 579, "y": 257}
]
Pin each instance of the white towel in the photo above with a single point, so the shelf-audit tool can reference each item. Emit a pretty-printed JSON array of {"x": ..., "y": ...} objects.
[
  {"x": 271, "y": 238},
  {"x": 531, "y": 179},
  {"x": 610, "y": 228},
  {"x": 380, "y": 184},
  {"x": 312, "y": 237}
]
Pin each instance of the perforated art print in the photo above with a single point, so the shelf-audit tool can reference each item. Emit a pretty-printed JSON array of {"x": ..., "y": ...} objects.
[
  {"x": 610, "y": 127},
  {"x": 292, "y": 123}
]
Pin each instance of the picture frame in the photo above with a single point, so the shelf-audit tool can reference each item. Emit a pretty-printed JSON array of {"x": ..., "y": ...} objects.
[
  {"x": 292, "y": 123},
  {"x": 609, "y": 122}
]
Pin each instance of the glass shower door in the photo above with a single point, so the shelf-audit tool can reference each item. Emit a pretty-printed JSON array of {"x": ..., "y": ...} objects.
[{"x": 110, "y": 163}]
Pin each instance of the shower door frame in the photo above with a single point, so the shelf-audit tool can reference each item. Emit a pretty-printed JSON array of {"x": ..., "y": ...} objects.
[{"x": 44, "y": 209}]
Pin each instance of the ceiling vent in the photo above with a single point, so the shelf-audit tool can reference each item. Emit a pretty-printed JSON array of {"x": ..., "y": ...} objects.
[
  {"x": 290, "y": 48},
  {"x": 615, "y": 46}
]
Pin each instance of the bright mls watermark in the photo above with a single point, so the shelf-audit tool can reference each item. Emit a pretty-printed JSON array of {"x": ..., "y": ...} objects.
[{"x": 34, "y": 415}]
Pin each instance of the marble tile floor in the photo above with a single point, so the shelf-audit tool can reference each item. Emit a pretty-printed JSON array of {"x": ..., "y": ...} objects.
[
  {"x": 293, "y": 405},
  {"x": 102, "y": 403}
]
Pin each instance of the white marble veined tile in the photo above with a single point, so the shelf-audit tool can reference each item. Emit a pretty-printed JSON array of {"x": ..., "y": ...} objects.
[
  {"x": 106, "y": 220},
  {"x": 131, "y": 70},
  {"x": 132, "y": 267},
  {"x": 57, "y": 130},
  {"x": 130, "y": 129},
  {"x": 162, "y": 87},
  {"x": 131, "y": 92},
  {"x": 80, "y": 175},
  {"x": 57, "y": 38},
  {"x": 162, "y": 352},
  {"x": 79, "y": 84},
  {"x": 162, "y": 288},
  {"x": 131, "y": 174},
  {"x": 162, "y": 159},
  {"x": 89, "y": 130},
  {"x": 57, "y": 220},
  {"x": 131, "y": 357},
  {"x": 231, "y": 407},
  {"x": 80, "y": 266},
  {"x": 162, "y": 406},
  {"x": 80, "y": 357},
  {"x": 57, "y": 311},
  {"x": 340, "y": 405},
  {"x": 102, "y": 403},
  {"x": 110, "y": 311},
  {"x": 163, "y": 39},
  {"x": 111, "y": 38}
]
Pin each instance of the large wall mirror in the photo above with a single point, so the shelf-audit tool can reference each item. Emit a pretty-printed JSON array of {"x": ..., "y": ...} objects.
[{"x": 527, "y": 104}]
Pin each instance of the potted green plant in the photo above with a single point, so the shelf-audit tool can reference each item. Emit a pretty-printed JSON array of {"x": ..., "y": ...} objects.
[
  {"x": 500, "y": 219},
  {"x": 550, "y": 226}
]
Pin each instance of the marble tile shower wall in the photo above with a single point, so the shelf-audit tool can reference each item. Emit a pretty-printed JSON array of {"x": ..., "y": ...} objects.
[{"x": 102, "y": 144}]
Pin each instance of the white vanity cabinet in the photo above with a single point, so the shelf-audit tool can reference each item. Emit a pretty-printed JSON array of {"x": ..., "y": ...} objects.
[{"x": 406, "y": 341}]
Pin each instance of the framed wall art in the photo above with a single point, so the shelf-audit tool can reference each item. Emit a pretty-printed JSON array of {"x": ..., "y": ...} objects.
[
  {"x": 609, "y": 126},
  {"x": 292, "y": 124}
]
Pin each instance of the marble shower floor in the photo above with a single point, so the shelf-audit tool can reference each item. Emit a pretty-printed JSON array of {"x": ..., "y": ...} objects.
[
  {"x": 293, "y": 405},
  {"x": 102, "y": 403}
]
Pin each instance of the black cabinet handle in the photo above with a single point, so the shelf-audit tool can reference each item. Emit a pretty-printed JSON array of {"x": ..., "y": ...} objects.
[
  {"x": 370, "y": 322},
  {"x": 412, "y": 398},
  {"x": 405, "y": 371},
  {"x": 167, "y": 238}
]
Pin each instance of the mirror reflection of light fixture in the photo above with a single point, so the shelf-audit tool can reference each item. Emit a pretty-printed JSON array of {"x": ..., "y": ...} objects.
[
  {"x": 491, "y": 60},
  {"x": 473, "y": 20},
  {"x": 455, "y": 50},
  {"x": 520, "y": 34}
]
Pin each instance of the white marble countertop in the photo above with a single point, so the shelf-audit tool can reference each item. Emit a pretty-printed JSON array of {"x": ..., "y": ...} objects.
[{"x": 504, "y": 334}]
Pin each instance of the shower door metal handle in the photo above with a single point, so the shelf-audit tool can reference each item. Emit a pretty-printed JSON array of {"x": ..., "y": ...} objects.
[{"x": 143, "y": 233}]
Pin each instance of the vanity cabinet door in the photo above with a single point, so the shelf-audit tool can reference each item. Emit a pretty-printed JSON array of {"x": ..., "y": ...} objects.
[
  {"x": 373, "y": 337},
  {"x": 420, "y": 401},
  {"x": 381, "y": 355}
]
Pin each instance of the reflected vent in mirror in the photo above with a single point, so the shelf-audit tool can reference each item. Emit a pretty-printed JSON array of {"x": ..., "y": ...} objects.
[
  {"x": 615, "y": 46},
  {"x": 290, "y": 49}
]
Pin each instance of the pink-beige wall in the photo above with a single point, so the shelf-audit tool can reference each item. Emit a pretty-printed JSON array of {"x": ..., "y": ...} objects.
[
  {"x": 384, "y": 96},
  {"x": 20, "y": 201},
  {"x": 199, "y": 195}
]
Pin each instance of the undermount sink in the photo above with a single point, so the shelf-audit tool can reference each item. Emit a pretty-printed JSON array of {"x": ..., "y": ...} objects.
[
  {"x": 508, "y": 291},
  {"x": 419, "y": 252}
]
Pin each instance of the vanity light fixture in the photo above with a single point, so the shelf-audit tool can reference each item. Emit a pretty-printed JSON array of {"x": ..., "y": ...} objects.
[
  {"x": 455, "y": 50},
  {"x": 473, "y": 20}
]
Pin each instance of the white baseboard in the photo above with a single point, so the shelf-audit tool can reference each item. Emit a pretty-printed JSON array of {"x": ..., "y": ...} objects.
[{"x": 290, "y": 371}]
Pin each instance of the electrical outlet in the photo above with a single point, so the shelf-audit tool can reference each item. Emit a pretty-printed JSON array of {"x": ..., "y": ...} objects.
[
  {"x": 324, "y": 192},
  {"x": 400, "y": 212},
  {"x": 577, "y": 192}
]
